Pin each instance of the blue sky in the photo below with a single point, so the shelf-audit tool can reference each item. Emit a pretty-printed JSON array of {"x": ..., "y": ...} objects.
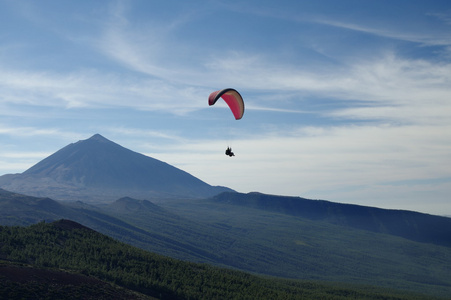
[{"x": 348, "y": 101}]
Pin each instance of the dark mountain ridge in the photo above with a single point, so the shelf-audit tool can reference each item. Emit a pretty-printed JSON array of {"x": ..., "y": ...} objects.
[
  {"x": 411, "y": 225},
  {"x": 130, "y": 205},
  {"x": 99, "y": 170}
]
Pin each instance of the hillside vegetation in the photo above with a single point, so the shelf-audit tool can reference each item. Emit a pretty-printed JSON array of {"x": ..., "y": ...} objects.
[
  {"x": 257, "y": 240},
  {"x": 66, "y": 246}
]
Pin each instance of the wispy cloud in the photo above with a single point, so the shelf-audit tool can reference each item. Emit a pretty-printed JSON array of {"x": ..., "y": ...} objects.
[
  {"x": 427, "y": 38},
  {"x": 386, "y": 81},
  {"x": 90, "y": 88},
  {"x": 26, "y": 131}
]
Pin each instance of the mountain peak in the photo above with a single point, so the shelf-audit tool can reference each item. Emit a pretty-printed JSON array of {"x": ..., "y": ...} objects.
[
  {"x": 98, "y": 137},
  {"x": 99, "y": 170}
]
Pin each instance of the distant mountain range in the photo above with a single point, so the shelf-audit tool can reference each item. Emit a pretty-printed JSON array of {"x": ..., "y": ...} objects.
[
  {"x": 99, "y": 170},
  {"x": 411, "y": 225}
]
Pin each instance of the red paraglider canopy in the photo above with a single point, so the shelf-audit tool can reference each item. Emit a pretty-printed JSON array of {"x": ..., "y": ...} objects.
[{"x": 232, "y": 98}]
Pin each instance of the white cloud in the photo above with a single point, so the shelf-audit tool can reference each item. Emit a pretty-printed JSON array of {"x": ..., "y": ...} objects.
[
  {"x": 424, "y": 35},
  {"x": 27, "y": 131},
  {"x": 19, "y": 160},
  {"x": 94, "y": 89},
  {"x": 337, "y": 163}
]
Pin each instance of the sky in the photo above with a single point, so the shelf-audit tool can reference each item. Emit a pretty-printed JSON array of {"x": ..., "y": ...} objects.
[{"x": 347, "y": 101}]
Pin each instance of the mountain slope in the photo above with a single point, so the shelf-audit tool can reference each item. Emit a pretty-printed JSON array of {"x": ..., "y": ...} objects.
[
  {"x": 136, "y": 222},
  {"x": 65, "y": 245},
  {"x": 411, "y": 225},
  {"x": 98, "y": 169},
  {"x": 163, "y": 231},
  {"x": 252, "y": 239}
]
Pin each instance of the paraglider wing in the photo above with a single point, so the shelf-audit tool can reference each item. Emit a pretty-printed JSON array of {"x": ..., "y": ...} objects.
[{"x": 232, "y": 98}]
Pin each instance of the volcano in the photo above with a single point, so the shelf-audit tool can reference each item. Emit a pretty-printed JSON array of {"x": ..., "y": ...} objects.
[{"x": 99, "y": 170}]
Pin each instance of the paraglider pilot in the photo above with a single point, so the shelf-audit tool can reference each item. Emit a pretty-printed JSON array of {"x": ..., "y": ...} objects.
[{"x": 229, "y": 152}]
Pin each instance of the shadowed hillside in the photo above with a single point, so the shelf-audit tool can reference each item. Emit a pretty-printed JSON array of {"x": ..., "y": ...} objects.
[{"x": 19, "y": 281}]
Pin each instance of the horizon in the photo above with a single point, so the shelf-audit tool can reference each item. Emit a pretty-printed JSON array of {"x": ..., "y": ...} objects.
[{"x": 345, "y": 101}]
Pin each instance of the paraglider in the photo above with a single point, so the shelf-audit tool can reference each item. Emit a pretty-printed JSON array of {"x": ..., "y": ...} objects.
[
  {"x": 229, "y": 152},
  {"x": 233, "y": 100},
  {"x": 235, "y": 103}
]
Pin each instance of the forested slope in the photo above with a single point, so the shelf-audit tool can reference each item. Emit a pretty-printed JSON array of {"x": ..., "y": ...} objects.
[{"x": 69, "y": 246}]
